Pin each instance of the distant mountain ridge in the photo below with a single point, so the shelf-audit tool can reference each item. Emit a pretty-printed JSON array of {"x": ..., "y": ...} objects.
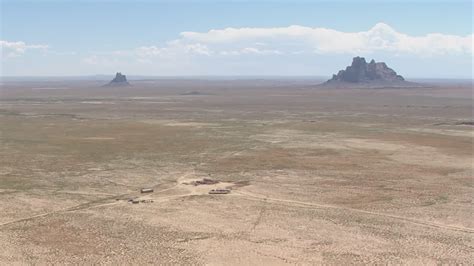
[{"x": 367, "y": 75}]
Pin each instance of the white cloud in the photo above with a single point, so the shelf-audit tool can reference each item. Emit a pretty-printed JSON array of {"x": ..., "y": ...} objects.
[
  {"x": 14, "y": 49},
  {"x": 293, "y": 41},
  {"x": 290, "y": 50},
  {"x": 197, "y": 49},
  {"x": 91, "y": 60},
  {"x": 173, "y": 48},
  {"x": 299, "y": 40},
  {"x": 380, "y": 38},
  {"x": 145, "y": 51},
  {"x": 251, "y": 51},
  {"x": 104, "y": 60}
]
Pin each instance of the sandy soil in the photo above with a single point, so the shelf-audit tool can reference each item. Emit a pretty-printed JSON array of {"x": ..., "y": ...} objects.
[{"x": 316, "y": 176}]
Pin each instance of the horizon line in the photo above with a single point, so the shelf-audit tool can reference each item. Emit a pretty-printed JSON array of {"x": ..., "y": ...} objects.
[{"x": 212, "y": 76}]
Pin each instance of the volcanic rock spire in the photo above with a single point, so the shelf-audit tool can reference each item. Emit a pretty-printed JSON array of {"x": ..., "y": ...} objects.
[
  {"x": 363, "y": 74},
  {"x": 119, "y": 80}
]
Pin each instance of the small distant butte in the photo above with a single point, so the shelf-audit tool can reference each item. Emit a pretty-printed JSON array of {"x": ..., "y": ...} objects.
[{"x": 119, "y": 81}]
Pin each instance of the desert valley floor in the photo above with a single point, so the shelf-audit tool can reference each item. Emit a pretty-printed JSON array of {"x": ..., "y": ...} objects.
[{"x": 317, "y": 176}]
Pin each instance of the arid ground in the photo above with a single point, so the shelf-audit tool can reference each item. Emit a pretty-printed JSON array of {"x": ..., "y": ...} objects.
[{"x": 317, "y": 176}]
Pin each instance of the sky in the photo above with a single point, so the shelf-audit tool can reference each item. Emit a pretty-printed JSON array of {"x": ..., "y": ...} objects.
[{"x": 418, "y": 39}]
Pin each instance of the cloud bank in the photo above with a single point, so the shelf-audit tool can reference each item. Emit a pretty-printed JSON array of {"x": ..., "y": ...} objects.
[
  {"x": 299, "y": 39},
  {"x": 292, "y": 50},
  {"x": 15, "y": 49}
]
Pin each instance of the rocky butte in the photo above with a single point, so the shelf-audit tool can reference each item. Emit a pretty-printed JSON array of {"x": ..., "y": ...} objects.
[
  {"x": 118, "y": 81},
  {"x": 361, "y": 74}
]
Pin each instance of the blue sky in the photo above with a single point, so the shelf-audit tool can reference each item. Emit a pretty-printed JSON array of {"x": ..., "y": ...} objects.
[{"x": 172, "y": 38}]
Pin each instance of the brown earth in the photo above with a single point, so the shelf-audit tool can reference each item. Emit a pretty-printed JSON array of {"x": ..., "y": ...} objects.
[{"x": 318, "y": 176}]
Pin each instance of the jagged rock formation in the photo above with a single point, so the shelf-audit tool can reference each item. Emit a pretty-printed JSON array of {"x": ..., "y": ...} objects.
[
  {"x": 119, "y": 80},
  {"x": 362, "y": 74}
]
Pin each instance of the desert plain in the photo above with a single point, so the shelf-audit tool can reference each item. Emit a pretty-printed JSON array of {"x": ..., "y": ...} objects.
[{"x": 317, "y": 176}]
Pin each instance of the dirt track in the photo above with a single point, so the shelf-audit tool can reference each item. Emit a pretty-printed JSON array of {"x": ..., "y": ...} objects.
[{"x": 309, "y": 204}]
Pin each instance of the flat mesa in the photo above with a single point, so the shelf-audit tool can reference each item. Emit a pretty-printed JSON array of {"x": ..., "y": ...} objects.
[{"x": 361, "y": 74}]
